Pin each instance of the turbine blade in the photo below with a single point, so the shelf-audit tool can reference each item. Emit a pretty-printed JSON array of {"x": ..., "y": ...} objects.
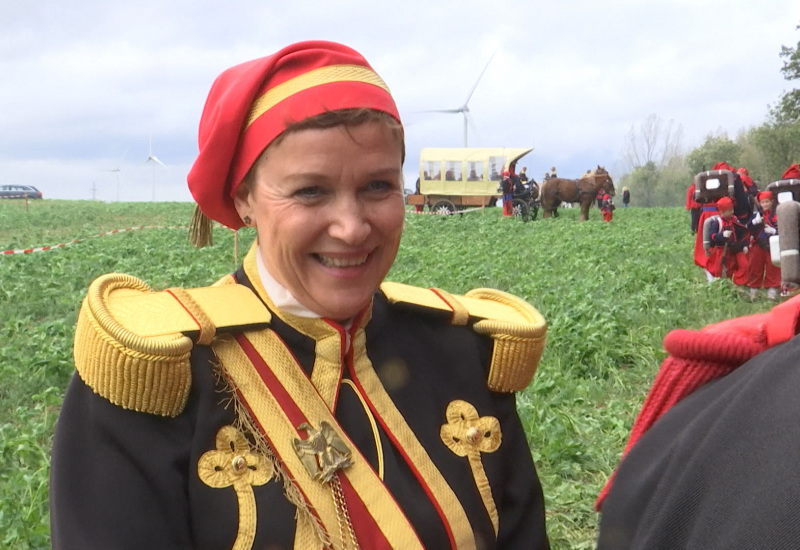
[
  {"x": 459, "y": 110},
  {"x": 472, "y": 91}
]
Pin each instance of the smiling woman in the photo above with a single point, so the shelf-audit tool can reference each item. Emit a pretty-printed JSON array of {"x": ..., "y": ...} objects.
[{"x": 300, "y": 402}]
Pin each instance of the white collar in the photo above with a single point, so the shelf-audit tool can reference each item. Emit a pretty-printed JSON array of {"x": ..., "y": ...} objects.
[{"x": 279, "y": 294}]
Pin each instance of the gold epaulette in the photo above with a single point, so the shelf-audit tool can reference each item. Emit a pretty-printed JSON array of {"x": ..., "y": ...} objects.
[
  {"x": 517, "y": 328},
  {"x": 132, "y": 344}
]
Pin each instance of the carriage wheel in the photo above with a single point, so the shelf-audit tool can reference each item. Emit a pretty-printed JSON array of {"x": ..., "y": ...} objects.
[
  {"x": 519, "y": 209},
  {"x": 443, "y": 207}
]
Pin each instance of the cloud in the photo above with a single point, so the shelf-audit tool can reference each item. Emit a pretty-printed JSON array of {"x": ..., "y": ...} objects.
[{"x": 93, "y": 81}]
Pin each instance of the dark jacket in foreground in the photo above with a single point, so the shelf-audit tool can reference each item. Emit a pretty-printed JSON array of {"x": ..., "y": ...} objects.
[
  {"x": 403, "y": 401},
  {"x": 718, "y": 471}
]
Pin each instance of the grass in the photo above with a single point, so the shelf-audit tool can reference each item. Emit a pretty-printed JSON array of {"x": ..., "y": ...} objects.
[{"x": 609, "y": 291}]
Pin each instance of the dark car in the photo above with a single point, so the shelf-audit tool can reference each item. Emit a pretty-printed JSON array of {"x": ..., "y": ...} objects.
[{"x": 19, "y": 192}]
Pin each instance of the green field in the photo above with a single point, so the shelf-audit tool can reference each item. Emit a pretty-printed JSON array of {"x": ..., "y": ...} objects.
[{"x": 609, "y": 291}]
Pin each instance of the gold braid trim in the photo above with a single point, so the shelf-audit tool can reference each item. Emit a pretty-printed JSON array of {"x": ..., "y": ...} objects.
[
  {"x": 133, "y": 345},
  {"x": 468, "y": 435},
  {"x": 310, "y": 531},
  {"x": 518, "y": 342},
  {"x": 517, "y": 328},
  {"x": 150, "y": 375}
]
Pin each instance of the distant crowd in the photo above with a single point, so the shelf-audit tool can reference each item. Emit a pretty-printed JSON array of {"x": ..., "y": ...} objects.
[{"x": 733, "y": 233}]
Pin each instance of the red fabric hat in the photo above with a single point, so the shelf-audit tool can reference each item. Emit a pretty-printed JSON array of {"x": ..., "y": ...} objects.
[
  {"x": 743, "y": 171},
  {"x": 723, "y": 166},
  {"x": 793, "y": 172},
  {"x": 251, "y": 104},
  {"x": 765, "y": 195},
  {"x": 725, "y": 203}
]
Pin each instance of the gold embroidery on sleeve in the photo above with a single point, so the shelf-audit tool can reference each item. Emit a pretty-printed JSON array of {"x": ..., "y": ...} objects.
[
  {"x": 233, "y": 464},
  {"x": 468, "y": 435}
]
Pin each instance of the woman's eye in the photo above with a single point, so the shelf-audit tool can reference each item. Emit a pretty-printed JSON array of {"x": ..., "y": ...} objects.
[
  {"x": 381, "y": 185},
  {"x": 308, "y": 192}
]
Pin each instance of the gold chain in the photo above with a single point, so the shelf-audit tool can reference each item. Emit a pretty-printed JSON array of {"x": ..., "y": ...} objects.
[{"x": 342, "y": 514}]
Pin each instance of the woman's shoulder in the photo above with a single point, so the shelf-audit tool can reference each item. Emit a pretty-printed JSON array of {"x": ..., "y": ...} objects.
[
  {"x": 516, "y": 328},
  {"x": 133, "y": 344}
]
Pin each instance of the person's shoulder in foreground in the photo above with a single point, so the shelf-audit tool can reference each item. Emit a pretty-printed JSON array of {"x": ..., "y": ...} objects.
[
  {"x": 301, "y": 402},
  {"x": 711, "y": 460}
]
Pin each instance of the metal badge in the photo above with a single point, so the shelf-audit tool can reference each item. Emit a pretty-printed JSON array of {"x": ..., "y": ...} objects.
[{"x": 323, "y": 452}]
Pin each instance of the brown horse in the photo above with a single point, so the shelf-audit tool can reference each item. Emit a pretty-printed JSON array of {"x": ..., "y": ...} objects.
[{"x": 584, "y": 190}]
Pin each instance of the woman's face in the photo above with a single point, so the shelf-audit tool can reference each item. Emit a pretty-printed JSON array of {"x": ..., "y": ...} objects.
[{"x": 329, "y": 210}]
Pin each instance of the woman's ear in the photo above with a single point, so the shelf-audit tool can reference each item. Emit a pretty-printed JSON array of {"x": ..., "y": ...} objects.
[{"x": 242, "y": 201}]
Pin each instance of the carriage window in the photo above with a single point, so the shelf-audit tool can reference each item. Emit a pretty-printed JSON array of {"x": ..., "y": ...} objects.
[
  {"x": 453, "y": 171},
  {"x": 496, "y": 167},
  {"x": 433, "y": 170},
  {"x": 785, "y": 196},
  {"x": 712, "y": 183},
  {"x": 475, "y": 170}
]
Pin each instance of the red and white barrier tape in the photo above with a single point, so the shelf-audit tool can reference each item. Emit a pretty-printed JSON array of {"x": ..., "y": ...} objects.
[
  {"x": 476, "y": 209},
  {"x": 112, "y": 232}
]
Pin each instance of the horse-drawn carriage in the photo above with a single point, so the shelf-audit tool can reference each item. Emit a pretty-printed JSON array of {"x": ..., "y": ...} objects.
[
  {"x": 526, "y": 200},
  {"x": 454, "y": 179}
]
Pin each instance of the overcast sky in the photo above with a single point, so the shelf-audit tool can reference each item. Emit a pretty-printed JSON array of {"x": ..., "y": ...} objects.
[{"x": 85, "y": 84}]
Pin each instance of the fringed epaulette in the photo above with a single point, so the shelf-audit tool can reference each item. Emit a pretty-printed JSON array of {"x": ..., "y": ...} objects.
[
  {"x": 517, "y": 328},
  {"x": 132, "y": 344}
]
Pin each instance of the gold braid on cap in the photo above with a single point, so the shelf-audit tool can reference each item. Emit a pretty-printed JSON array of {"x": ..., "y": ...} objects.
[{"x": 317, "y": 77}]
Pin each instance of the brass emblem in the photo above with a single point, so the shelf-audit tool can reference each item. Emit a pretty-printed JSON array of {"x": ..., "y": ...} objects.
[
  {"x": 469, "y": 435},
  {"x": 323, "y": 452},
  {"x": 233, "y": 464}
]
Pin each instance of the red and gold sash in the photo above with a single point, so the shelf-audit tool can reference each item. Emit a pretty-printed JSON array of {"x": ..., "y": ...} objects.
[{"x": 280, "y": 397}]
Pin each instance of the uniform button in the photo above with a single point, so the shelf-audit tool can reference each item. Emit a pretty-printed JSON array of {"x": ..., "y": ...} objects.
[{"x": 239, "y": 465}]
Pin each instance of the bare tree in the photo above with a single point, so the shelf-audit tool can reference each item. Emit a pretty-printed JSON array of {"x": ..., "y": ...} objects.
[{"x": 654, "y": 141}]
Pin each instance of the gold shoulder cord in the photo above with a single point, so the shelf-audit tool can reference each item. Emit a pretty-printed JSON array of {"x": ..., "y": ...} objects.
[
  {"x": 517, "y": 328},
  {"x": 132, "y": 345}
]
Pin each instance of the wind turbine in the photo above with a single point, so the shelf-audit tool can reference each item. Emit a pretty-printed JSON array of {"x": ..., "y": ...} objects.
[
  {"x": 464, "y": 109},
  {"x": 117, "y": 170},
  {"x": 156, "y": 161}
]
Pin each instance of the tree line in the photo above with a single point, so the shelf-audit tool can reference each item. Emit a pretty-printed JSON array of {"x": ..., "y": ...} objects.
[{"x": 659, "y": 173}]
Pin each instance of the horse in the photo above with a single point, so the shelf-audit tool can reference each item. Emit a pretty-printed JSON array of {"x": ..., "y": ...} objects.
[{"x": 583, "y": 190}]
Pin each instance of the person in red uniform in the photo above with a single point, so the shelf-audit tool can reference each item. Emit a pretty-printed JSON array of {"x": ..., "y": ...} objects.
[
  {"x": 607, "y": 207},
  {"x": 750, "y": 187},
  {"x": 729, "y": 239},
  {"x": 507, "y": 186},
  {"x": 693, "y": 207},
  {"x": 793, "y": 172},
  {"x": 763, "y": 274},
  {"x": 708, "y": 209}
]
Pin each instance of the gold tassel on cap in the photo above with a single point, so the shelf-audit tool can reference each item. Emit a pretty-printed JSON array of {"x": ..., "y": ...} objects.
[{"x": 200, "y": 231}]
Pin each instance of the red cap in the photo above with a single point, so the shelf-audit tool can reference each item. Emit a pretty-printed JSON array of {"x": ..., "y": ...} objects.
[
  {"x": 506, "y": 173},
  {"x": 793, "y": 172},
  {"x": 725, "y": 203},
  {"x": 723, "y": 166},
  {"x": 743, "y": 171},
  {"x": 251, "y": 104},
  {"x": 765, "y": 195}
]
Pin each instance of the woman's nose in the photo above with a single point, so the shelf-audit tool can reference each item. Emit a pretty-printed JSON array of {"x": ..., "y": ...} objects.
[{"x": 350, "y": 223}]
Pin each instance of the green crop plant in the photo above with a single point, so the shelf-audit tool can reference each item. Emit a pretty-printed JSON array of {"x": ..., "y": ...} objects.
[{"x": 609, "y": 291}]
